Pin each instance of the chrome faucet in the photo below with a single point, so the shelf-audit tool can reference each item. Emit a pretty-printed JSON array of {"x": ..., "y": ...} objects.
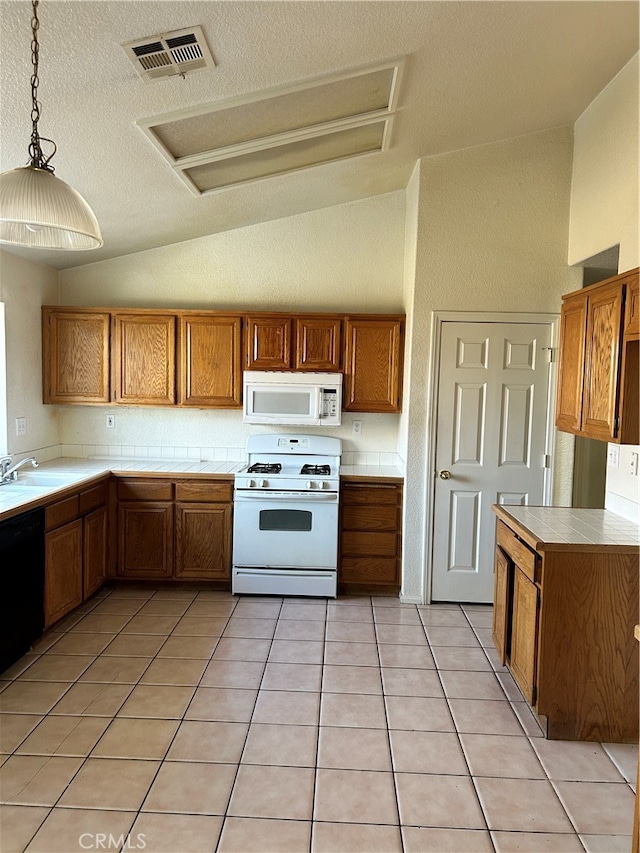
[{"x": 9, "y": 472}]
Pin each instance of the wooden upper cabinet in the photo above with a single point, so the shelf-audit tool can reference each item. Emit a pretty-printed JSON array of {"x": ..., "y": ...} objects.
[
  {"x": 598, "y": 369},
  {"x": 573, "y": 325},
  {"x": 75, "y": 350},
  {"x": 210, "y": 369},
  {"x": 602, "y": 363},
  {"x": 318, "y": 343},
  {"x": 144, "y": 361},
  {"x": 268, "y": 342},
  {"x": 632, "y": 310},
  {"x": 373, "y": 364}
]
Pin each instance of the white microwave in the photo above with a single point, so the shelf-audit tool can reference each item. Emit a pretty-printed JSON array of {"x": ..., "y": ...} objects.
[{"x": 307, "y": 399}]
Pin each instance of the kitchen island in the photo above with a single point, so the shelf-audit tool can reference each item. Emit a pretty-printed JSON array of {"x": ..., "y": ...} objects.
[{"x": 565, "y": 607}]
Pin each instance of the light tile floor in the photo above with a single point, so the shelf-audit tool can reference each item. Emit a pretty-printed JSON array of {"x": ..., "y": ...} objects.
[{"x": 184, "y": 720}]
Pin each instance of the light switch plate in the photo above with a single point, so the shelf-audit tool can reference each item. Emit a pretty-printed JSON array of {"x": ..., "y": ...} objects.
[{"x": 613, "y": 456}]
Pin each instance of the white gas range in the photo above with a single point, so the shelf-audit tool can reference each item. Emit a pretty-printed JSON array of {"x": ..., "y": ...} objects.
[{"x": 285, "y": 524}]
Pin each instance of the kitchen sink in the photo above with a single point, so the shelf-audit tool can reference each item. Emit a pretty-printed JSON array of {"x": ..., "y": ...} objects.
[{"x": 43, "y": 480}]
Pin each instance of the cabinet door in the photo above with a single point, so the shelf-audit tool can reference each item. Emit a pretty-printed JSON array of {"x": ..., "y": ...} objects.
[
  {"x": 94, "y": 550},
  {"x": 144, "y": 359},
  {"x": 632, "y": 309},
  {"x": 63, "y": 571},
  {"x": 373, "y": 365},
  {"x": 210, "y": 370},
  {"x": 268, "y": 343},
  {"x": 602, "y": 363},
  {"x": 203, "y": 541},
  {"x": 573, "y": 324},
  {"x": 145, "y": 539},
  {"x": 318, "y": 343},
  {"x": 75, "y": 350},
  {"x": 524, "y": 635},
  {"x": 501, "y": 595}
]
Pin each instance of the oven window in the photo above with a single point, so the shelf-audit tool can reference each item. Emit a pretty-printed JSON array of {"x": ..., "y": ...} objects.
[{"x": 285, "y": 519}]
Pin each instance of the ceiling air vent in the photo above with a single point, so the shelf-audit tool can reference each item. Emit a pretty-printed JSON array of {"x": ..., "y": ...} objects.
[{"x": 170, "y": 54}]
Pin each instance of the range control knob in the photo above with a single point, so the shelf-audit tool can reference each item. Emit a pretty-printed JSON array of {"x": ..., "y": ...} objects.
[
  {"x": 324, "y": 485},
  {"x": 311, "y": 484},
  {"x": 251, "y": 484},
  {"x": 263, "y": 484}
]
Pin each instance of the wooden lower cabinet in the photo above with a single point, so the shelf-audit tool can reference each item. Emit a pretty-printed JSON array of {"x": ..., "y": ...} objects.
[
  {"x": 203, "y": 538},
  {"x": 563, "y": 623},
  {"x": 174, "y": 530},
  {"x": 370, "y": 536},
  {"x": 501, "y": 604},
  {"x": 524, "y": 634},
  {"x": 63, "y": 571},
  {"x": 94, "y": 535},
  {"x": 75, "y": 550},
  {"x": 145, "y": 540}
]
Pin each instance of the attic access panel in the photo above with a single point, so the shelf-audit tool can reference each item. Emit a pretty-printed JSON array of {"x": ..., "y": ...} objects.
[{"x": 279, "y": 131}]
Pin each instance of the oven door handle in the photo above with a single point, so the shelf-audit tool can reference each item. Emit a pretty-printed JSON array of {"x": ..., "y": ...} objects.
[{"x": 287, "y": 496}]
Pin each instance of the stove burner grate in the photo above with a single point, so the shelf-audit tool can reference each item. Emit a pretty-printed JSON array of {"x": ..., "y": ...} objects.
[
  {"x": 264, "y": 468},
  {"x": 317, "y": 470}
]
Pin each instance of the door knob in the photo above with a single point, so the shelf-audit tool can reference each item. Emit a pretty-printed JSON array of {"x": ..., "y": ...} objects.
[{"x": 445, "y": 475}]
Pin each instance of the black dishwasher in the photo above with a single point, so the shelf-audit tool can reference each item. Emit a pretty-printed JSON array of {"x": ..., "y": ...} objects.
[{"x": 21, "y": 584}]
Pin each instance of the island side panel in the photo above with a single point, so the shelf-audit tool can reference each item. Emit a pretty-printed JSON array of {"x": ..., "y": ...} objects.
[{"x": 588, "y": 659}]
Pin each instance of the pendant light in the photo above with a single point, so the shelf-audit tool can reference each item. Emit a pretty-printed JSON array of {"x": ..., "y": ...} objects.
[{"x": 37, "y": 209}]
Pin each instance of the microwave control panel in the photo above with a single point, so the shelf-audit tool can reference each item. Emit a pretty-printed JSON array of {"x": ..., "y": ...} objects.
[{"x": 329, "y": 402}]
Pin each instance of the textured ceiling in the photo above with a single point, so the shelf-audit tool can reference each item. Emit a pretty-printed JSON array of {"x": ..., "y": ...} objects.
[{"x": 475, "y": 72}]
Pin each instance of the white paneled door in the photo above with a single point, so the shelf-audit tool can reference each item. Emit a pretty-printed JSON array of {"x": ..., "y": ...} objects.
[{"x": 491, "y": 433}]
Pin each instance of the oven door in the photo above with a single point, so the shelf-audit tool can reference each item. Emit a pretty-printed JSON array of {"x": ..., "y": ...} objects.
[{"x": 286, "y": 530}]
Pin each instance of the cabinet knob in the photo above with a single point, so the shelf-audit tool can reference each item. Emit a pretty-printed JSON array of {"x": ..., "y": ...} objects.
[{"x": 445, "y": 475}]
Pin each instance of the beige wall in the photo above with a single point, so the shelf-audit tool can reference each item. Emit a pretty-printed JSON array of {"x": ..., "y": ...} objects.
[
  {"x": 491, "y": 235},
  {"x": 24, "y": 287},
  {"x": 344, "y": 258},
  {"x": 604, "y": 189},
  {"x": 604, "y": 212}
]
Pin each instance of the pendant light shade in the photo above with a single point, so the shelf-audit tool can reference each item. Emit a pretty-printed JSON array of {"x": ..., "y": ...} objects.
[
  {"x": 37, "y": 209},
  {"x": 41, "y": 211}
]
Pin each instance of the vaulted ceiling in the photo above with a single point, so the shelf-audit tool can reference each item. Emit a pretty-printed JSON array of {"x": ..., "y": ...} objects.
[{"x": 473, "y": 73}]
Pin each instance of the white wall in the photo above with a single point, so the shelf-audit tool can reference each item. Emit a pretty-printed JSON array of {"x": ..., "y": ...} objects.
[
  {"x": 345, "y": 258},
  {"x": 24, "y": 287},
  {"x": 604, "y": 212},
  {"x": 491, "y": 235}
]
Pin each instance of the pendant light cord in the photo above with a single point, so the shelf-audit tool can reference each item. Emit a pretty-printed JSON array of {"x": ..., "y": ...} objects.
[{"x": 37, "y": 158}]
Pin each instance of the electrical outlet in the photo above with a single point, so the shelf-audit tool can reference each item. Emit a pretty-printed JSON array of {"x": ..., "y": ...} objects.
[
  {"x": 357, "y": 427},
  {"x": 613, "y": 456},
  {"x": 111, "y": 421},
  {"x": 634, "y": 464},
  {"x": 21, "y": 426}
]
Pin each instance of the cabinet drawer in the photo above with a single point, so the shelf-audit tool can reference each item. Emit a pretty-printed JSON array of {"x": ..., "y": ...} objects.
[
  {"x": 357, "y": 543},
  {"x": 368, "y": 570},
  {"x": 92, "y": 498},
  {"x": 373, "y": 493},
  {"x": 61, "y": 512},
  {"x": 370, "y": 518},
  {"x": 145, "y": 490},
  {"x": 520, "y": 553},
  {"x": 205, "y": 491}
]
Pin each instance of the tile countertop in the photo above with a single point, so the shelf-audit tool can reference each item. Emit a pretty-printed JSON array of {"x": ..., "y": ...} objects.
[
  {"x": 553, "y": 528},
  {"x": 77, "y": 472}
]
